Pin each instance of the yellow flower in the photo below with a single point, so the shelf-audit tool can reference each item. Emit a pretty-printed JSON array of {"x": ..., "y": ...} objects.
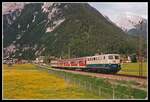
[{"x": 26, "y": 81}]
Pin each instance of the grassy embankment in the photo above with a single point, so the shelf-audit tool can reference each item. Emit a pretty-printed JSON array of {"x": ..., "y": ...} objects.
[{"x": 122, "y": 89}]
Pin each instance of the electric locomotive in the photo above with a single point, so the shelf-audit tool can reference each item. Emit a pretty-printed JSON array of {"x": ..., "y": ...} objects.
[{"x": 106, "y": 63}]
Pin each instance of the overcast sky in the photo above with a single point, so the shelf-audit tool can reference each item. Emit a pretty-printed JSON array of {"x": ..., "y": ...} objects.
[{"x": 113, "y": 9}]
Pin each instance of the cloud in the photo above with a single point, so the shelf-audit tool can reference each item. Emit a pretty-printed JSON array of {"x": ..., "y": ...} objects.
[{"x": 112, "y": 9}]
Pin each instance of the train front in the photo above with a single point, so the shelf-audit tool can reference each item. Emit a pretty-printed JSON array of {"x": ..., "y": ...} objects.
[
  {"x": 106, "y": 63},
  {"x": 113, "y": 61}
]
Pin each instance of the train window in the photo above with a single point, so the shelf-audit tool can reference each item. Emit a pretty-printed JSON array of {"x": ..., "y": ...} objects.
[
  {"x": 94, "y": 58},
  {"x": 104, "y": 57},
  {"x": 110, "y": 57},
  {"x": 116, "y": 57}
]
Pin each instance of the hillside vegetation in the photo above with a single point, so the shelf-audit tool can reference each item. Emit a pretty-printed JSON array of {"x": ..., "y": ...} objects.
[{"x": 83, "y": 32}]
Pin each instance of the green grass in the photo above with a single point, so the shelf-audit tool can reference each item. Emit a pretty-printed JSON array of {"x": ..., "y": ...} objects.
[
  {"x": 123, "y": 92},
  {"x": 133, "y": 69}
]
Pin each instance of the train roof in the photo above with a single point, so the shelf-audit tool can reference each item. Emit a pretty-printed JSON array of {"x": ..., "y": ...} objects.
[
  {"x": 102, "y": 55},
  {"x": 88, "y": 57}
]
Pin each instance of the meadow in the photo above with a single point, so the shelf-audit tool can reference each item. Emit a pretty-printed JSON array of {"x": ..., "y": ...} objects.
[
  {"x": 27, "y": 82},
  {"x": 133, "y": 69}
]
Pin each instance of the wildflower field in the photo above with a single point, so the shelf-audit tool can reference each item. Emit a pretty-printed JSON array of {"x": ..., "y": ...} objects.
[{"x": 25, "y": 81}]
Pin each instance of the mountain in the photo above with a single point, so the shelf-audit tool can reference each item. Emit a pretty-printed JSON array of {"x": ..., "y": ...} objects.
[
  {"x": 130, "y": 23},
  {"x": 58, "y": 29},
  {"x": 140, "y": 29}
]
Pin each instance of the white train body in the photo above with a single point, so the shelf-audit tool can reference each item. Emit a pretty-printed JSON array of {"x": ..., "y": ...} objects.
[{"x": 106, "y": 62}]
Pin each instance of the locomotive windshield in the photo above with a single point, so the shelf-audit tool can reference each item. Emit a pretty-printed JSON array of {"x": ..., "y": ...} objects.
[
  {"x": 113, "y": 57},
  {"x": 110, "y": 57},
  {"x": 116, "y": 57}
]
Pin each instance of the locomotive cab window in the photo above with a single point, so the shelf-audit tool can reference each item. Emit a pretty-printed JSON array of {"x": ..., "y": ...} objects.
[
  {"x": 116, "y": 57},
  {"x": 110, "y": 57}
]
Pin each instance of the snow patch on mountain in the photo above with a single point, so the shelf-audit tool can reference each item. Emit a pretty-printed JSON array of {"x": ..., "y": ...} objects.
[
  {"x": 14, "y": 17},
  {"x": 46, "y": 5},
  {"x": 11, "y": 48},
  {"x": 49, "y": 29},
  {"x": 9, "y": 7},
  {"x": 14, "y": 42},
  {"x": 38, "y": 52},
  {"x": 18, "y": 25},
  {"x": 35, "y": 47},
  {"x": 56, "y": 23},
  {"x": 66, "y": 6},
  {"x": 128, "y": 21},
  {"x": 28, "y": 26},
  {"x": 18, "y": 37},
  {"x": 9, "y": 21},
  {"x": 52, "y": 13},
  {"x": 33, "y": 18}
]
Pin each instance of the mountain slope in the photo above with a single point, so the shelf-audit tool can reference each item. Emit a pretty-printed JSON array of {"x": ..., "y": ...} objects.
[{"x": 59, "y": 28}]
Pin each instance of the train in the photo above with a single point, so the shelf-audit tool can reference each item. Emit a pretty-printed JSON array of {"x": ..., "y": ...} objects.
[{"x": 105, "y": 63}]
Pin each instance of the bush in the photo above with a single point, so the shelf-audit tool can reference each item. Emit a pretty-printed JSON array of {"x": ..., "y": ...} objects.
[{"x": 133, "y": 58}]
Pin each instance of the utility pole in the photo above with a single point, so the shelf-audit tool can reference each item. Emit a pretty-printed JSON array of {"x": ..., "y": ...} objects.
[
  {"x": 140, "y": 58},
  {"x": 69, "y": 52},
  {"x": 62, "y": 53},
  {"x": 140, "y": 52}
]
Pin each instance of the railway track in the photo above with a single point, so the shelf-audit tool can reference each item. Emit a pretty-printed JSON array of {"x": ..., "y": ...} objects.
[
  {"x": 121, "y": 75},
  {"x": 138, "y": 79},
  {"x": 101, "y": 75},
  {"x": 132, "y": 76}
]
